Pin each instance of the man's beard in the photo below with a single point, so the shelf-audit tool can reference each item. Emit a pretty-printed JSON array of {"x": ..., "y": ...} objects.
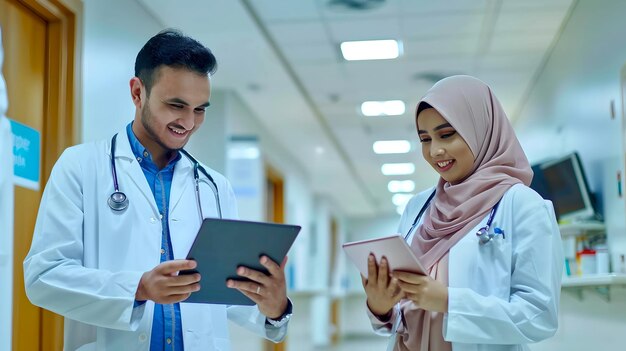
[{"x": 146, "y": 119}]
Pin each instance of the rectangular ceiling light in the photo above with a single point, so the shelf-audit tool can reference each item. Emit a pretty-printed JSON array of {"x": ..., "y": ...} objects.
[
  {"x": 383, "y": 108},
  {"x": 392, "y": 146},
  {"x": 397, "y": 168},
  {"x": 371, "y": 50},
  {"x": 401, "y": 186}
]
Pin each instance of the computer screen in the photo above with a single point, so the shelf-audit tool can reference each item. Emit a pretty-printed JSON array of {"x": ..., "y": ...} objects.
[{"x": 563, "y": 182}]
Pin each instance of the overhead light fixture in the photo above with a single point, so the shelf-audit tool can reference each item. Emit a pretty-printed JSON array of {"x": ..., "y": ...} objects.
[
  {"x": 371, "y": 50},
  {"x": 383, "y": 108},
  {"x": 401, "y": 199},
  {"x": 392, "y": 146},
  {"x": 401, "y": 186},
  {"x": 397, "y": 168}
]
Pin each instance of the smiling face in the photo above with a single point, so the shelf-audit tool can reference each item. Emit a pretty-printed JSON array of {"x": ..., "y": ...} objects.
[
  {"x": 172, "y": 111},
  {"x": 443, "y": 147}
]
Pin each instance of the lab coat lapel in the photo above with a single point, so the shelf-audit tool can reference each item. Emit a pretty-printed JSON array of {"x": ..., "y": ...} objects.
[
  {"x": 183, "y": 174},
  {"x": 128, "y": 169}
]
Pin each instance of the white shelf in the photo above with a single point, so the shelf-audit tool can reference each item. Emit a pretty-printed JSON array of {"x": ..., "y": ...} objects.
[
  {"x": 579, "y": 228},
  {"x": 594, "y": 280}
]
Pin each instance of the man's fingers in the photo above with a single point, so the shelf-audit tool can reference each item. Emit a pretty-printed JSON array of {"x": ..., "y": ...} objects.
[
  {"x": 252, "y": 296},
  {"x": 174, "y": 266},
  {"x": 182, "y": 289},
  {"x": 182, "y": 280},
  {"x": 271, "y": 266},
  {"x": 252, "y": 274},
  {"x": 247, "y": 286}
]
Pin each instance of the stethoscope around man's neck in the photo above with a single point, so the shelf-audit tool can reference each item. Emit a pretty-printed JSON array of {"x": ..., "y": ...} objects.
[
  {"x": 118, "y": 201},
  {"x": 483, "y": 234}
]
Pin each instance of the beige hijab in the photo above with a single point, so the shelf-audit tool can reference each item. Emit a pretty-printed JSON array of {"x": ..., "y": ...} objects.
[{"x": 470, "y": 107}]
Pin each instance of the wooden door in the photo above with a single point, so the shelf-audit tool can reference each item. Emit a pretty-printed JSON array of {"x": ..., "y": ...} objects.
[
  {"x": 24, "y": 72},
  {"x": 39, "y": 41}
]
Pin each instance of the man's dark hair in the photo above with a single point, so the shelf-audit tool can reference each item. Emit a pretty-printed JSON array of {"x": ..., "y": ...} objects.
[{"x": 173, "y": 49}]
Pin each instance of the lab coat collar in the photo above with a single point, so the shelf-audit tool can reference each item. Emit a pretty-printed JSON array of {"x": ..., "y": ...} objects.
[
  {"x": 182, "y": 172},
  {"x": 124, "y": 150}
]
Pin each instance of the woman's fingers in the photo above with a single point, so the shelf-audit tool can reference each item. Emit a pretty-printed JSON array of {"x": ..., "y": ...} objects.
[
  {"x": 383, "y": 273},
  {"x": 372, "y": 268},
  {"x": 412, "y": 278}
]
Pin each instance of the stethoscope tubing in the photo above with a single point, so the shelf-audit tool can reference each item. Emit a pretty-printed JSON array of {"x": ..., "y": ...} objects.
[{"x": 117, "y": 205}]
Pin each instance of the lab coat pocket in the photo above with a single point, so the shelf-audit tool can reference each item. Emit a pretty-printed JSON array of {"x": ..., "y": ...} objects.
[
  {"x": 204, "y": 325},
  {"x": 494, "y": 258}
]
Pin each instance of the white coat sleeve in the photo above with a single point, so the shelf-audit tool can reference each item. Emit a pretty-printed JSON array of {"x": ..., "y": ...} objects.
[
  {"x": 54, "y": 274},
  {"x": 531, "y": 313},
  {"x": 250, "y": 318}
]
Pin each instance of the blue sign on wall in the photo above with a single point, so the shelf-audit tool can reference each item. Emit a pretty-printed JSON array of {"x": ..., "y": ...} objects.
[{"x": 26, "y": 155}]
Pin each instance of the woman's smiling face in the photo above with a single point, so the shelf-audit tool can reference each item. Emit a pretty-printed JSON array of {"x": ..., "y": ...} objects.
[{"x": 443, "y": 148}]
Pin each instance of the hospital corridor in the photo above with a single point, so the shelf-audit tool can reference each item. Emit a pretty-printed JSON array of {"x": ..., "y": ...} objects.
[{"x": 312, "y": 175}]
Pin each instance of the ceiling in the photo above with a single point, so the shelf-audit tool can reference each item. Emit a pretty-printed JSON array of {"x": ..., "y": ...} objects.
[{"x": 282, "y": 57}]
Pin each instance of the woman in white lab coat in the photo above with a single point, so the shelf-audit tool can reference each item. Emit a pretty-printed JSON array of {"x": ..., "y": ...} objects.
[
  {"x": 491, "y": 244},
  {"x": 99, "y": 265}
]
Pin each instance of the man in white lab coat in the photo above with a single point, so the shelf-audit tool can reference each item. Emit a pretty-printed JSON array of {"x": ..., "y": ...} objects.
[
  {"x": 6, "y": 216},
  {"x": 118, "y": 216}
]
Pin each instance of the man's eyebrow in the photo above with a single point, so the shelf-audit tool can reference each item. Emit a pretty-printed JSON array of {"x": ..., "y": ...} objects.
[{"x": 183, "y": 102}]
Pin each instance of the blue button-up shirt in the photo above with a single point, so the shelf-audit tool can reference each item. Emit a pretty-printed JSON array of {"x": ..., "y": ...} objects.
[{"x": 166, "y": 324}]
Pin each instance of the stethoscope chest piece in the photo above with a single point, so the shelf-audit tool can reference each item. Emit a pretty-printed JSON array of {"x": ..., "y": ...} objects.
[
  {"x": 484, "y": 236},
  {"x": 118, "y": 201}
]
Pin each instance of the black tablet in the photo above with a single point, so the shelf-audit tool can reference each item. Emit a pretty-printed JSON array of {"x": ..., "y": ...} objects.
[{"x": 223, "y": 245}]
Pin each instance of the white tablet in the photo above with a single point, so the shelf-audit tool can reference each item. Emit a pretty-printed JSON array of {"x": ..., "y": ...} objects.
[{"x": 394, "y": 248}]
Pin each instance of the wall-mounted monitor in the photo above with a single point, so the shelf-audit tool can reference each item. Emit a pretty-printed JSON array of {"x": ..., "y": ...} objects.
[{"x": 563, "y": 182}]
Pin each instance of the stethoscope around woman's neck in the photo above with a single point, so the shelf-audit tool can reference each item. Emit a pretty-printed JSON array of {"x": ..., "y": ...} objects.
[
  {"x": 483, "y": 234},
  {"x": 118, "y": 201}
]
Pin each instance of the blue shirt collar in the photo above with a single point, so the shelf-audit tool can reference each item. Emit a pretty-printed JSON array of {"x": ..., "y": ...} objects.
[{"x": 143, "y": 156}]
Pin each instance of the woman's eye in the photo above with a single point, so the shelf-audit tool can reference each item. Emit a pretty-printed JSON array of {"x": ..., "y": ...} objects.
[
  {"x": 447, "y": 135},
  {"x": 175, "y": 106},
  {"x": 199, "y": 110},
  {"x": 424, "y": 140}
]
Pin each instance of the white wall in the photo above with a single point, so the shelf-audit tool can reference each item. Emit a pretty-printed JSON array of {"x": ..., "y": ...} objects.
[
  {"x": 568, "y": 109},
  {"x": 114, "y": 32},
  {"x": 308, "y": 271}
]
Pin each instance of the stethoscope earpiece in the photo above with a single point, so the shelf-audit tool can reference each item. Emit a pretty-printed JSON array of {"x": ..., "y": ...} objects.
[{"x": 118, "y": 201}]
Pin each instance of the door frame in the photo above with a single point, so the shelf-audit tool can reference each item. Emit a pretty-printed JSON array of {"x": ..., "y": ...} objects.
[{"x": 60, "y": 130}]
